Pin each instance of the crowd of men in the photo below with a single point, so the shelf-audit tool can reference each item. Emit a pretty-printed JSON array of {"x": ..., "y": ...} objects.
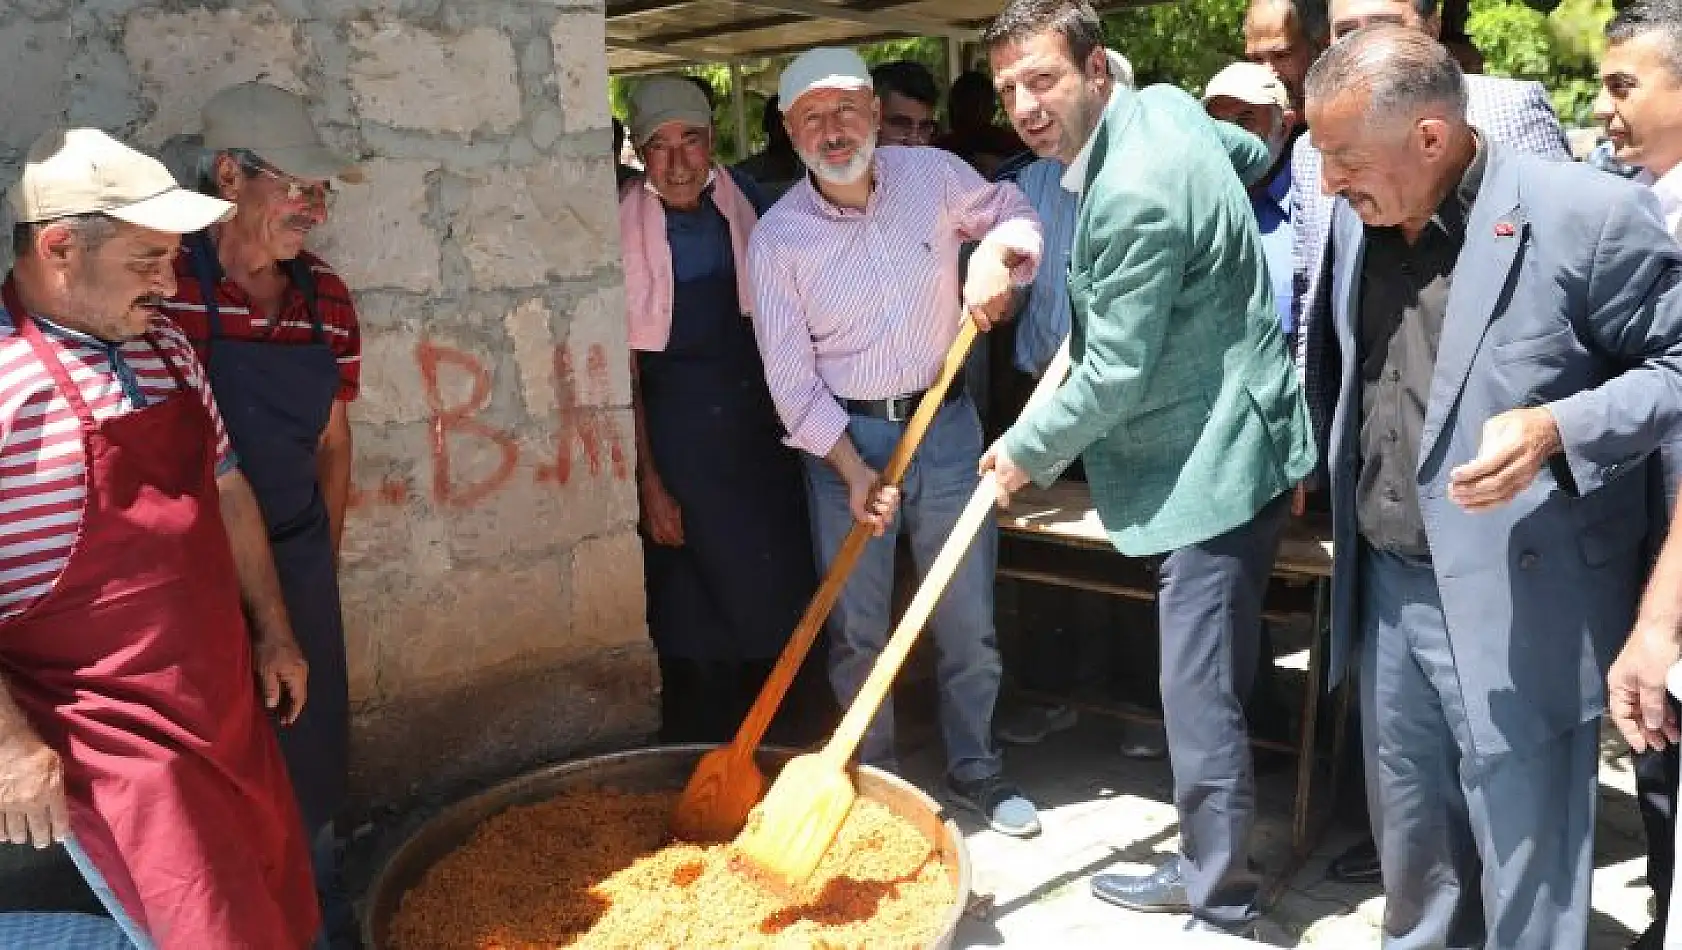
[
  {"x": 1259, "y": 291},
  {"x": 1351, "y": 277}
]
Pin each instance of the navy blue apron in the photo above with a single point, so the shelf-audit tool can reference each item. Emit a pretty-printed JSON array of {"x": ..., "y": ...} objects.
[
  {"x": 736, "y": 588},
  {"x": 276, "y": 400}
]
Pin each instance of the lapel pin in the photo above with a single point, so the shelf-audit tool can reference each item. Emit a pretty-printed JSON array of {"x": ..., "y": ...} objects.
[{"x": 1504, "y": 229}]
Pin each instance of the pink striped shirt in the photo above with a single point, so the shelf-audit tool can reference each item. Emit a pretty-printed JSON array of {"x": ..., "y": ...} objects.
[
  {"x": 42, "y": 483},
  {"x": 863, "y": 304}
]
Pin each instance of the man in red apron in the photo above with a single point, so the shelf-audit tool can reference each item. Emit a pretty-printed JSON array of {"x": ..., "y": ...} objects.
[
  {"x": 132, "y": 552},
  {"x": 277, "y": 333}
]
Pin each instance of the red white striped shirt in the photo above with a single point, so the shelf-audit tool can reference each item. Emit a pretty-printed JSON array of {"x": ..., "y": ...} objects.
[
  {"x": 240, "y": 321},
  {"x": 864, "y": 304},
  {"x": 42, "y": 459}
]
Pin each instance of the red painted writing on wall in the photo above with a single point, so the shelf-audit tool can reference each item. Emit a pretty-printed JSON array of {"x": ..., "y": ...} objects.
[
  {"x": 459, "y": 428},
  {"x": 596, "y": 432}
]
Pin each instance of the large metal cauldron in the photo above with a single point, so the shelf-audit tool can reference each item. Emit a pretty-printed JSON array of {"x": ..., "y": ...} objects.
[{"x": 639, "y": 770}]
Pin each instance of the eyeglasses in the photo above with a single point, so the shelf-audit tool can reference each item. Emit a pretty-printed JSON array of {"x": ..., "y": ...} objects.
[
  {"x": 907, "y": 126},
  {"x": 317, "y": 193}
]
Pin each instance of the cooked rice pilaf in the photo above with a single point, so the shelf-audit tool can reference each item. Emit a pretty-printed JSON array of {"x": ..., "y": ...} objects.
[{"x": 594, "y": 869}]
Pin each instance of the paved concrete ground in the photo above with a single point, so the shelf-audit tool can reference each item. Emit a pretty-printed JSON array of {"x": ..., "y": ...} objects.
[{"x": 1102, "y": 812}]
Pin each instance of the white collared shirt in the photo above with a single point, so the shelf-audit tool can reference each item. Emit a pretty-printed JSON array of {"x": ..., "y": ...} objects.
[
  {"x": 1074, "y": 177},
  {"x": 1669, "y": 192}
]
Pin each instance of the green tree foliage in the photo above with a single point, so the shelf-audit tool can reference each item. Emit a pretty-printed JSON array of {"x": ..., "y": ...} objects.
[
  {"x": 1560, "y": 49},
  {"x": 1513, "y": 38},
  {"x": 1578, "y": 28},
  {"x": 1183, "y": 43},
  {"x": 930, "y": 51}
]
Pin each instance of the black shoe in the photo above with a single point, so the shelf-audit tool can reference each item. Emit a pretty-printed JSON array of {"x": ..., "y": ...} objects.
[
  {"x": 1358, "y": 865},
  {"x": 1006, "y": 809},
  {"x": 1199, "y": 925},
  {"x": 1162, "y": 891}
]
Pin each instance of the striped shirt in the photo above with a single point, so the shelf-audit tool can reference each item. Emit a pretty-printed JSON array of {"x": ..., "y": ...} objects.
[
  {"x": 42, "y": 470},
  {"x": 242, "y": 322},
  {"x": 862, "y": 304}
]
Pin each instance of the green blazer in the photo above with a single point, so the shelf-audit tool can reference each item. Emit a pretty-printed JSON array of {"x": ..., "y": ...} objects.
[{"x": 1182, "y": 401}]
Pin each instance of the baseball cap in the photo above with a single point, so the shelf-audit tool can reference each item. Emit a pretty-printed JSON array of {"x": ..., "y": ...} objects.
[
  {"x": 826, "y": 67},
  {"x": 665, "y": 99},
  {"x": 84, "y": 171},
  {"x": 276, "y": 125},
  {"x": 1248, "y": 82},
  {"x": 1121, "y": 69}
]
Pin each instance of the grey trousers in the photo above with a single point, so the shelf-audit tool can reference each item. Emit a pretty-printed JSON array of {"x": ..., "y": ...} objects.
[
  {"x": 1210, "y": 623},
  {"x": 1477, "y": 850}
]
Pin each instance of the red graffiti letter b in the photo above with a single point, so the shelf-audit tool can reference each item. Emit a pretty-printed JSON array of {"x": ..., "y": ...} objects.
[{"x": 461, "y": 420}]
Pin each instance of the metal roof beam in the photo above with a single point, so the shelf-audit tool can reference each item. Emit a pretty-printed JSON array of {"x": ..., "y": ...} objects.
[
  {"x": 649, "y": 69},
  {"x": 629, "y": 8},
  {"x": 771, "y": 52},
  {"x": 728, "y": 30},
  {"x": 687, "y": 47},
  {"x": 878, "y": 19},
  {"x": 684, "y": 55}
]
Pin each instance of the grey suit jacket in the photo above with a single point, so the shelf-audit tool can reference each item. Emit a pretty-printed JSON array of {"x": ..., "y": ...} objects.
[
  {"x": 1510, "y": 111},
  {"x": 1565, "y": 296}
]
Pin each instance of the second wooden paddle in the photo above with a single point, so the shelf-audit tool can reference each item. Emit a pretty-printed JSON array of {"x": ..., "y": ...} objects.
[
  {"x": 787, "y": 835},
  {"x": 727, "y": 782}
]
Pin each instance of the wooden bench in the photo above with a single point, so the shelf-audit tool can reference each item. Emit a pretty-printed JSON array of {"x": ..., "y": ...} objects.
[{"x": 1053, "y": 536}]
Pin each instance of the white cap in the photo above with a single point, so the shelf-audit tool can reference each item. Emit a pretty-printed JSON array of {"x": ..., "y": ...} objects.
[
  {"x": 1248, "y": 82},
  {"x": 826, "y": 67},
  {"x": 84, "y": 171},
  {"x": 1120, "y": 69}
]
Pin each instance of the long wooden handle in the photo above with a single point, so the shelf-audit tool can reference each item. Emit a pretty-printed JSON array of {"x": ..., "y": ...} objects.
[
  {"x": 929, "y": 406},
  {"x": 835, "y": 579},
  {"x": 870, "y": 696},
  {"x": 881, "y": 679}
]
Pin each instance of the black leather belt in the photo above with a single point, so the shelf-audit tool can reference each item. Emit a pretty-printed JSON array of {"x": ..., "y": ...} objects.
[{"x": 898, "y": 408}]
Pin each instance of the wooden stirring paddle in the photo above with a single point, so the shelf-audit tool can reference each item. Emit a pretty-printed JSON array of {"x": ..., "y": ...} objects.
[
  {"x": 727, "y": 782},
  {"x": 787, "y": 834}
]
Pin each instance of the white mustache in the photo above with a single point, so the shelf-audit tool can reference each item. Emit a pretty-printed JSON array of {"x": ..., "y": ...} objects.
[{"x": 841, "y": 173}]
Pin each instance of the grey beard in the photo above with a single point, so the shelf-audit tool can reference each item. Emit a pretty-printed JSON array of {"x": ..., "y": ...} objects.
[{"x": 841, "y": 174}]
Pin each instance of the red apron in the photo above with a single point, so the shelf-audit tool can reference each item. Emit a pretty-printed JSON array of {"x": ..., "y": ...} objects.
[{"x": 136, "y": 667}]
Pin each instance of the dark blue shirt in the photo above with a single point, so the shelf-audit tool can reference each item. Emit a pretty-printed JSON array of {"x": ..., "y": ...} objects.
[{"x": 700, "y": 239}]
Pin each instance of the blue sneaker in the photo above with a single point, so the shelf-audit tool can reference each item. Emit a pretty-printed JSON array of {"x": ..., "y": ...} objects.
[{"x": 1006, "y": 809}]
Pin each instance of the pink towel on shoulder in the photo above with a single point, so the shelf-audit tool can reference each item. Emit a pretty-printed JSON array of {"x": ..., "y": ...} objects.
[{"x": 649, "y": 285}]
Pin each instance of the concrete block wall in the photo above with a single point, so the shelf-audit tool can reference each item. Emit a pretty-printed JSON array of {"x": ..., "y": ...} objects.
[{"x": 491, "y": 573}]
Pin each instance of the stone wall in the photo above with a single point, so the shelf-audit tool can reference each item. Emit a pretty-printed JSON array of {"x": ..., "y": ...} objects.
[{"x": 491, "y": 576}]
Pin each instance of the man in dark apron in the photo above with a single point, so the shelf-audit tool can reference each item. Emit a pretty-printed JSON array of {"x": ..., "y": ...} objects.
[
  {"x": 278, "y": 334},
  {"x": 727, "y": 554},
  {"x": 134, "y": 559}
]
